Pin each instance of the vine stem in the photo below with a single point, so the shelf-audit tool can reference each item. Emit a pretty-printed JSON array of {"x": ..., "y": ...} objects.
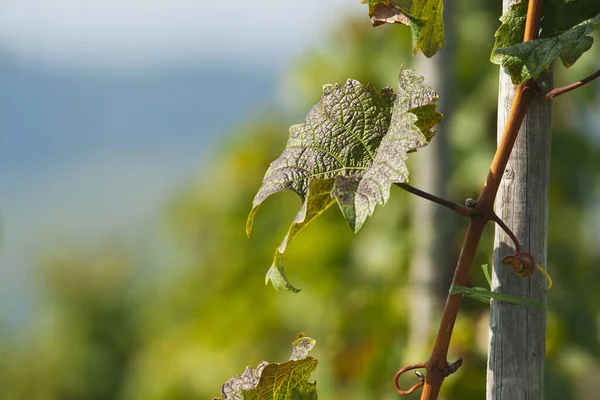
[
  {"x": 507, "y": 230},
  {"x": 460, "y": 209},
  {"x": 484, "y": 207},
  {"x": 565, "y": 89}
]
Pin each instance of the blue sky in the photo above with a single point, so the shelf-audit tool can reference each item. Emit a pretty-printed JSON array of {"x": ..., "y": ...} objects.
[
  {"x": 108, "y": 106},
  {"x": 146, "y": 34}
]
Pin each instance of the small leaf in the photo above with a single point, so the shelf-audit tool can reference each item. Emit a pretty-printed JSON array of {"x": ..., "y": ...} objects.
[
  {"x": 528, "y": 60},
  {"x": 564, "y": 30},
  {"x": 351, "y": 148},
  {"x": 385, "y": 13},
  {"x": 285, "y": 381},
  {"x": 234, "y": 387},
  {"x": 423, "y": 16}
]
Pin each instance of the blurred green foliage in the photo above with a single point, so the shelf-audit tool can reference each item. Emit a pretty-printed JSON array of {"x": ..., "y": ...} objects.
[{"x": 107, "y": 334}]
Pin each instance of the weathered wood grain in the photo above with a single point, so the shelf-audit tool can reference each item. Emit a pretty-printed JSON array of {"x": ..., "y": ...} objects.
[{"x": 517, "y": 334}]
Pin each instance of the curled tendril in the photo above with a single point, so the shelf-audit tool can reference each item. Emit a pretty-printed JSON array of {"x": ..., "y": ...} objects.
[
  {"x": 524, "y": 265},
  {"x": 448, "y": 370},
  {"x": 546, "y": 274},
  {"x": 416, "y": 385}
]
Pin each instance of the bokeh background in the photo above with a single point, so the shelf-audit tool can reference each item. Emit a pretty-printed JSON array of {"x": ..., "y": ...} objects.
[{"x": 133, "y": 137}]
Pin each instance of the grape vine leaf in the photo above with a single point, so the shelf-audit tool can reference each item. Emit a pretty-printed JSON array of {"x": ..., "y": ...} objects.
[
  {"x": 528, "y": 60},
  {"x": 423, "y": 16},
  {"x": 564, "y": 34},
  {"x": 285, "y": 381},
  {"x": 352, "y": 146}
]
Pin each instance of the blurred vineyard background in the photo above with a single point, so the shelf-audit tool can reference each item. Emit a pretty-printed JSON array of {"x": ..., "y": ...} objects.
[{"x": 172, "y": 316}]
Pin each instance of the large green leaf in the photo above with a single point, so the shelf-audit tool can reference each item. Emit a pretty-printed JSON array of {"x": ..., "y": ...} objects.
[
  {"x": 564, "y": 29},
  {"x": 351, "y": 148},
  {"x": 285, "y": 381},
  {"x": 423, "y": 16}
]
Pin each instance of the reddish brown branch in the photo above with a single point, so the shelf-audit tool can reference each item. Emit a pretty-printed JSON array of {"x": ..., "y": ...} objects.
[
  {"x": 534, "y": 17},
  {"x": 438, "y": 364},
  {"x": 483, "y": 207},
  {"x": 565, "y": 89},
  {"x": 462, "y": 210}
]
